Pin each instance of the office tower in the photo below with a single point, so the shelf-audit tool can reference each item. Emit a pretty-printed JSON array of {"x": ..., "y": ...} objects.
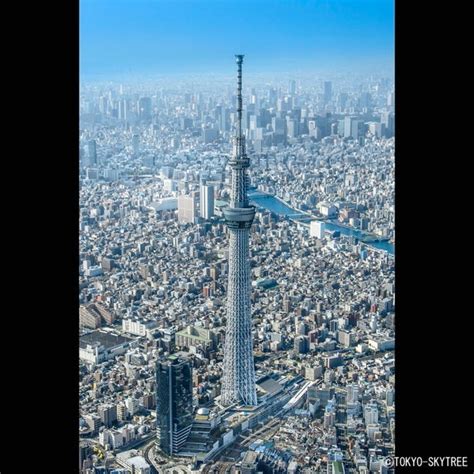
[
  {"x": 224, "y": 119},
  {"x": 218, "y": 114},
  {"x": 214, "y": 273},
  {"x": 135, "y": 144},
  {"x": 376, "y": 129},
  {"x": 330, "y": 414},
  {"x": 317, "y": 229},
  {"x": 132, "y": 405},
  {"x": 352, "y": 127},
  {"x": 103, "y": 104},
  {"x": 238, "y": 384},
  {"x": 327, "y": 91},
  {"x": 255, "y": 122},
  {"x": 365, "y": 100},
  {"x": 301, "y": 344},
  {"x": 108, "y": 414},
  {"x": 390, "y": 397},
  {"x": 314, "y": 130},
  {"x": 347, "y": 127},
  {"x": 391, "y": 99},
  {"x": 121, "y": 412},
  {"x": 279, "y": 125},
  {"x": 292, "y": 87},
  {"x": 92, "y": 152},
  {"x": 282, "y": 105},
  {"x": 186, "y": 208},
  {"x": 174, "y": 403},
  {"x": 123, "y": 109},
  {"x": 144, "y": 108},
  {"x": 371, "y": 414},
  {"x": 293, "y": 128},
  {"x": 207, "y": 201},
  {"x": 342, "y": 99},
  {"x": 352, "y": 393},
  {"x": 296, "y": 114},
  {"x": 254, "y": 99},
  {"x": 387, "y": 120},
  {"x": 272, "y": 97},
  {"x": 345, "y": 338},
  {"x": 84, "y": 454}
]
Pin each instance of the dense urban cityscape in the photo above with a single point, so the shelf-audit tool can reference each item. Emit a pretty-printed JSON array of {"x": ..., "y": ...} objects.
[{"x": 237, "y": 274}]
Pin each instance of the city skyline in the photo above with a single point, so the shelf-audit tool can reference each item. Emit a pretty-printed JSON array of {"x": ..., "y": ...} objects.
[{"x": 162, "y": 275}]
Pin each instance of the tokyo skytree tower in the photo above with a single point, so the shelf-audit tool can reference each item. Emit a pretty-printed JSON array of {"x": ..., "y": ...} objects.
[{"x": 238, "y": 384}]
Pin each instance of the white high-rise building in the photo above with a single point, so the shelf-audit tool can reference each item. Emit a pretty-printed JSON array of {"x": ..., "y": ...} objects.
[
  {"x": 132, "y": 405},
  {"x": 371, "y": 414},
  {"x": 186, "y": 208},
  {"x": 317, "y": 229},
  {"x": 207, "y": 202}
]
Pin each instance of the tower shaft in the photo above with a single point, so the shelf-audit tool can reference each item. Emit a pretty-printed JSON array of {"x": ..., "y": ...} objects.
[{"x": 238, "y": 384}]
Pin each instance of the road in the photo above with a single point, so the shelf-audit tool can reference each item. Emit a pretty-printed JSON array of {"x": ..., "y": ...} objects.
[{"x": 149, "y": 458}]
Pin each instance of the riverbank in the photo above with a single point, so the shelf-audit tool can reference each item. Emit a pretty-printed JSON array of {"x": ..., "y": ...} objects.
[{"x": 280, "y": 207}]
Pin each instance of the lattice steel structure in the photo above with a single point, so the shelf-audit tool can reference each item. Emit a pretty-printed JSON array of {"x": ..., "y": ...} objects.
[{"x": 238, "y": 384}]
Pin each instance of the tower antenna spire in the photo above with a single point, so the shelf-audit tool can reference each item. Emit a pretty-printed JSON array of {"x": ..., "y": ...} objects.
[{"x": 239, "y": 59}]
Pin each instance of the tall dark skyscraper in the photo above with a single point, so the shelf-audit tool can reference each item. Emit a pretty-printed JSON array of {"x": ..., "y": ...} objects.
[
  {"x": 174, "y": 403},
  {"x": 238, "y": 384}
]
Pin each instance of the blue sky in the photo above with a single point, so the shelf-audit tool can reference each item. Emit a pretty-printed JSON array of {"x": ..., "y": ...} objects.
[{"x": 197, "y": 36}]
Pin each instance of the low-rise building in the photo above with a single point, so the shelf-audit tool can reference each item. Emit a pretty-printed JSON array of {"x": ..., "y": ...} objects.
[{"x": 99, "y": 346}]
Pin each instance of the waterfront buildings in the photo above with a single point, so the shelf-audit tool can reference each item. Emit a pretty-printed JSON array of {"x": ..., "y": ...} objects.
[{"x": 317, "y": 229}]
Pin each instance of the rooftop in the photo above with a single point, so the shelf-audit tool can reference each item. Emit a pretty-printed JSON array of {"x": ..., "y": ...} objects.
[
  {"x": 195, "y": 332},
  {"x": 138, "y": 461},
  {"x": 270, "y": 386},
  {"x": 105, "y": 339}
]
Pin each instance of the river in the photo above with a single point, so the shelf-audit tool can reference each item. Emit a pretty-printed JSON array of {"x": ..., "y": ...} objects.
[{"x": 271, "y": 203}]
